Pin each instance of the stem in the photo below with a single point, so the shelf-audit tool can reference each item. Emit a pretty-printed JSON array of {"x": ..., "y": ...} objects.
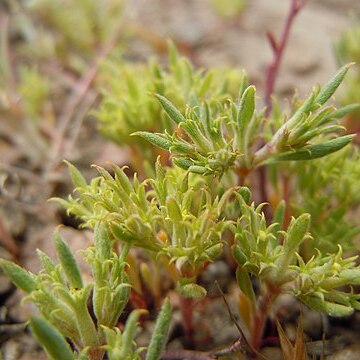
[
  {"x": 241, "y": 173},
  {"x": 271, "y": 76},
  {"x": 286, "y": 197},
  {"x": 278, "y": 51},
  {"x": 88, "y": 333},
  {"x": 264, "y": 306},
  {"x": 186, "y": 306}
]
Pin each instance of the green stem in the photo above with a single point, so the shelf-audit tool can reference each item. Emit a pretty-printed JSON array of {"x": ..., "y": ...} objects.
[{"x": 87, "y": 330}]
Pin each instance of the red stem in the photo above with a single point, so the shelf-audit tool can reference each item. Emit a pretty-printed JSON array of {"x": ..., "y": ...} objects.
[
  {"x": 262, "y": 314},
  {"x": 286, "y": 197},
  {"x": 271, "y": 76},
  {"x": 186, "y": 305},
  {"x": 278, "y": 50}
]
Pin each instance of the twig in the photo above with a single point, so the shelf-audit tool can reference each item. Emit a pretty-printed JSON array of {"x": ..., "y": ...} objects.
[
  {"x": 271, "y": 76},
  {"x": 278, "y": 51},
  {"x": 238, "y": 345}
]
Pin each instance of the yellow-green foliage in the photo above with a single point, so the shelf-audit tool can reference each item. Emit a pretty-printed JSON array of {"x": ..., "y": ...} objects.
[
  {"x": 326, "y": 188},
  {"x": 79, "y": 26},
  {"x": 229, "y": 8},
  {"x": 348, "y": 49},
  {"x": 34, "y": 88},
  {"x": 129, "y": 104}
]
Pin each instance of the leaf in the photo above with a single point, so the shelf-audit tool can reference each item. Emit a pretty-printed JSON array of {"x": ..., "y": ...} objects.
[
  {"x": 245, "y": 193},
  {"x": 102, "y": 241},
  {"x": 314, "y": 151},
  {"x": 130, "y": 332},
  {"x": 286, "y": 345},
  {"x": 76, "y": 177},
  {"x": 158, "y": 140},
  {"x": 183, "y": 163},
  {"x": 159, "y": 170},
  {"x": 19, "y": 276},
  {"x": 159, "y": 337},
  {"x": 67, "y": 262},
  {"x": 244, "y": 282},
  {"x": 51, "y": 339},
  {"x": 214, "y": 251},
  {"x": 330, "y": 308},
  {"x": 173, "y": 210},
  {"x": 46, "y": 262},
  {"x": 191, "y": 291},
  {"x": 341, "y": 112},
  {"x": 300, "y": 350},
  {"x": 197, "y": 169},
  {"x": 170, "y": 109},
  {"x": 246, "y": 108},
  {"x": 329, "y": 89},
  {"x": 193, "y": 130},
  {"x": 206, "y": 83},
  {"x": 278, "y": 217},
  {"x": 296, "y": 233},
  {"x": 238, "y": 255},
  {"x": 122, "y": 179}
]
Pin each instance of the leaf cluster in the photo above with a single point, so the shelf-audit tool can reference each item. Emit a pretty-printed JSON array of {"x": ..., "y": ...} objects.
[
  {"x": 212, "y": 142},
  {"x": 168, "y": 215},
  {"x": 327, "y": 189},
  {"x": 273, "y": 257},
  {"x": 68, "y": 306},
  {"x": 128, "y": 103},
  {"x": 347, "y": 49}
]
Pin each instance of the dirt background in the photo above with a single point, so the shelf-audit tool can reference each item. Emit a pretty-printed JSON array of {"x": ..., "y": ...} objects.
[{"x": 209, "y": 40}]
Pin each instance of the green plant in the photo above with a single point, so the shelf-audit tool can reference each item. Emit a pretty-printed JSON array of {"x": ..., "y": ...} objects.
[
  {"x": 86, "y": 314},
  {"x": 183, "y": 215},
  {"x": 166, "y": 218},
  {"x": 129, "y": 106},
  {"x": 347, "y": 49},
  {"x": 207, "y": 140},
  {"x": 328, "y": 190}
]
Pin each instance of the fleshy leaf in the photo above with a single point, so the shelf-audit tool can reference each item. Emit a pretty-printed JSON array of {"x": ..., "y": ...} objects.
[
  {"x": 314, "y": 151},
  {"x": 159, "y": 337},
  {"x": 170, "y": 109},
  {"x": 19, "y": 276},
  {"x": 68, "y": 262},
  {"x": 51, "y": 339},
  {"x": 329, "y": 89},
  {"x": 191, "y": 290},
  {"x": 158, "y": 140}
]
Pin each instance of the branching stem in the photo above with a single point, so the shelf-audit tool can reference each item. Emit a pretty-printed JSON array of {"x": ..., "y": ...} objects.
[
  {"x": 272, "y": 73},
  {"x": 278, "y": 51}
]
